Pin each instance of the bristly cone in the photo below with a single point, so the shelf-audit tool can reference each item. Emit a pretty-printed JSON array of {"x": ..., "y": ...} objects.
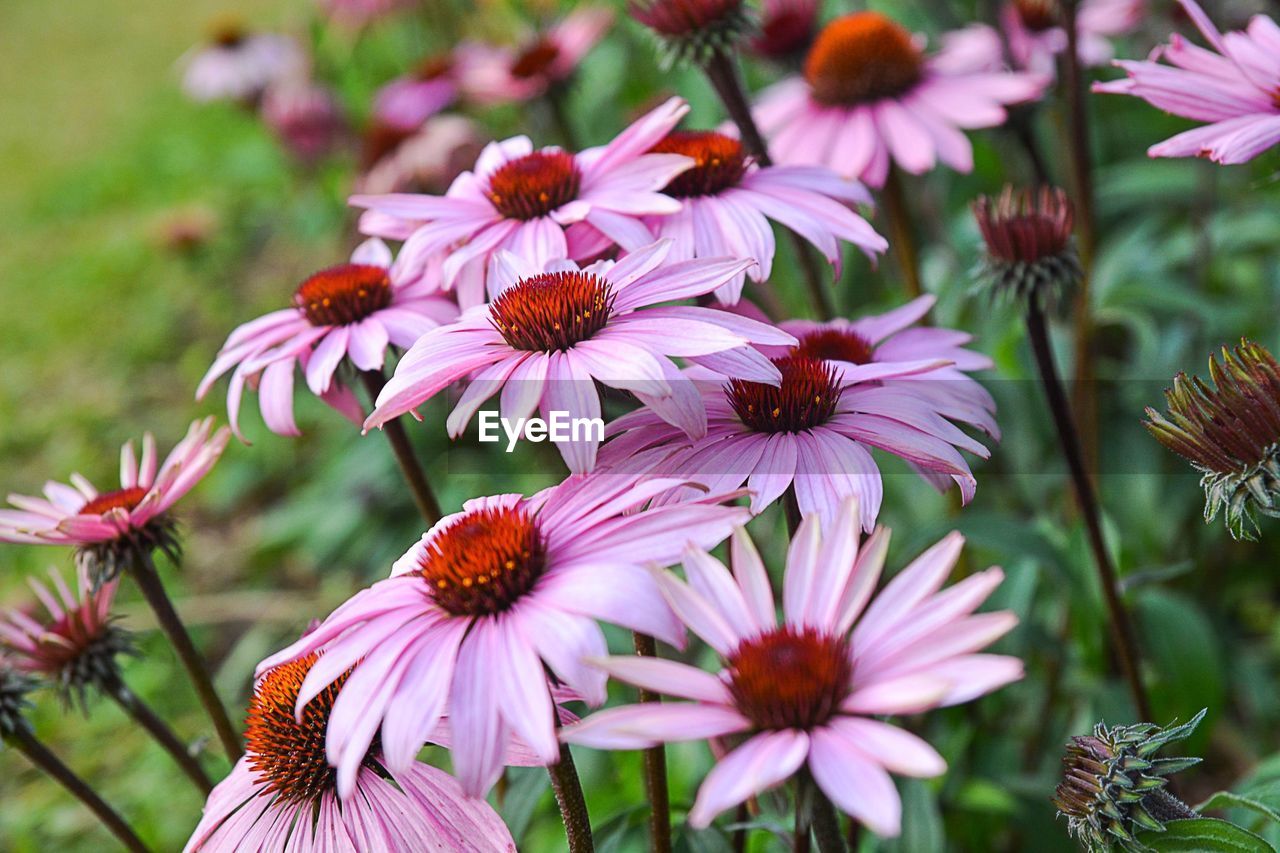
[
  {"x": 104, "y": 561},
  {"x": 693, "y": 30},
  {"x": 1230, "y": 433},
  {"x": 13, "y": 701},
  {"x": 1030, "y": 252},
  {"x": 1114, "y": 787}
]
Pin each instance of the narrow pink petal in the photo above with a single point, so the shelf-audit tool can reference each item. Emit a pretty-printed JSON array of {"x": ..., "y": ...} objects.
[{"x": 762, "y": 762}]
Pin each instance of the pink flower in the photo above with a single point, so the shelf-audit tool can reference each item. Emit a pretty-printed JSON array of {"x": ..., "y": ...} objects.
[
  {"x": 1035, "y": 34},
  {"x": 406, "y": 102},
  {"x": 728, "y": 201},
  {"x": 425, "y": 160},
  {"x": 282, "y": 794},
  {"x": 305, "y": 116},
  {"x": 868, "y": 93},
  {"x": 238, "y": 65},
  {"x": 351, "y": 311},
  {"x": 81, "y": 516},
  {"x": 806, "y": 692},
  {"x": 359, "y": 13},
  {"x": 526, "y": 201},
  {"x": 493, "y": 74},
  {"x": 474, "y": 611},
  {"x": 1233, "y": 87},
  {"x": 548, "y": 336}
]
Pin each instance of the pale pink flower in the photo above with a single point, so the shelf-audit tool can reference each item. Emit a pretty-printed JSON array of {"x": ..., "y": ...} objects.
[
  {"x": 494, "y": 74},
  {"x": 425, "y": 160},
  {"x": 549, "y": 335},
  {"x": 238, "y": 66},
  {"x": 474, "y": 612},
  {"x": 406, "y": 102},
  {"x": 869, "y": 94},
  {"x": 1035, "y": 34},
  {"x": 282, "y": 794},
  {"x": 728, "y": 200},
  {"x": 305, "y": 116},
  {"x": 101, "y": 523},
  {"x": 352, "y": 311},
  {"x": 543, "y": 204},
  {"x": 806, "y": 692},
  {"x": 1233, "y": 87}
]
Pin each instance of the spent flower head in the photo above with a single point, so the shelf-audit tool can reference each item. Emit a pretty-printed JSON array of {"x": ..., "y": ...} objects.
[
  {"x": 1114, "y": 786},
  {"x": 1230, "y": 433},
  {"x": 14, "y": 687},
  {"x": 692, "y": 30},
  {"x": 1030, "y": 253}
]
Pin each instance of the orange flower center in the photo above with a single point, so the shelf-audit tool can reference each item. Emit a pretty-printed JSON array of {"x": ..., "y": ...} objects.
[
  {"x": 535, "y": 59},
  {"x": 344, "y": 294},
  {"x": 484, "y": 562},
  {"x": 289, "y": 755},
  {"x": 836, "y": 345},
  {"x": 861, "y": 58},
  {"x": 1037, "y": 15},
  {"x": 535, "y": 184},
  {"x": 720, "y": 162},
  {"x": 125, "y": 499},
  {"x": 552, "y": 311},
  {"x": 790, "y": 678},
  {"x": 807, "y": 397}
]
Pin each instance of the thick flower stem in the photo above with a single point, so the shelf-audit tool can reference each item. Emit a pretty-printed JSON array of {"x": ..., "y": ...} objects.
[
  {"x": 573, "y": 805},
  {"x": 148, "y": 579},
  {"x": 722, "y": 71},
  {"x": 39, "y": 755},
  {"x": 414, "y": 476},
  {"x": 826, "y": 827},
  {"x": 555, "y": 99},
  {"x": 160, "y": 731},
  {"x": 1121, "y": 627},
  {"x": 655, "y": 768},
  {"x": 901, "y": 237}
]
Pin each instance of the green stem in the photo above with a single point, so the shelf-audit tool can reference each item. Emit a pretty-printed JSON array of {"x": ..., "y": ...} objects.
[
  {"x": 144, "y": 716},
  {"x": 573, "y": 805},
  {"x": 901, "y": 237},
  {"x": 423, "y": 495},
  {"x": 655, "y": 767}
]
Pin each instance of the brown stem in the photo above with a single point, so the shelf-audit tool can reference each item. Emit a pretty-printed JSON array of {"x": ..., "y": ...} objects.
[
  {"x": 800, "y": 836},
  {"x": 901, "y": 237},
  {"x": 722, "y": 71},
  {"x": 560, "y": 116},
  {"x": 1023, "y": 129},
  {"x": 159, "y": 731},
  {"x": 145, "y": 575},
  {"x": 414, "y": 476},
  {"x": 791, "y": 510},
  {"x": 572, "y": 803},
  {"x": 739, "y": 841},
  {"x": 39, "y": 755},
  {"x": 826, "y": 827},
  {"x": 1121, "y": 628},
  {"x": 655, "y": 767}
]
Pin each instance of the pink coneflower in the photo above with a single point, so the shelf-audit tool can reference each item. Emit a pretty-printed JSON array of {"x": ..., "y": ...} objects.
[
  {"x": 106, "y": 526},
  {"x": 1034, "y": 32},
  {"x": 523, "y": 200},
  {"x": 493, "y": 74},
  {"x": 806, "y": 692},
  {"x": 406, "y": 102},
  {"x": 352, "y": 311},
  {"x": 473, "y": 612},
  {"x": 425, "y": 160},
  {"x": 728, "y": 201},
  {"x": 305, "y": 116},
  {"x": 1234, "y": 89},
  {"x": 868, "y": 94},
  {"x": 812, "y": 433},
  {"x": 549, "y": 335},
  {"x": 282, "y": 794},
  {"x": 238, "y": 65}
]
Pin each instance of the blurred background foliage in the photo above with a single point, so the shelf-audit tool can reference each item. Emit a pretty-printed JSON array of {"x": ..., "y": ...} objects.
[{"x": 139, "y": 228}]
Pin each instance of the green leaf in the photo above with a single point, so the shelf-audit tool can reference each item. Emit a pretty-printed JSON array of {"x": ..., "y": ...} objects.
[
  {"x": 1227, "y": 800},
  {"x": 1204, "y": 835}
]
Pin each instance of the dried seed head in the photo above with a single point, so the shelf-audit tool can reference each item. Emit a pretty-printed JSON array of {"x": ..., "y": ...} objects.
[
  {"x": 692, "y": 30},
  {"x": 1030, "y": 254},
  {"x": 14, "y": 688}
]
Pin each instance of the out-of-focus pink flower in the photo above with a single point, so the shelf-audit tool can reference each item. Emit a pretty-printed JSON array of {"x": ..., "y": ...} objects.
[
  {"x": 1233, "y": 87},
  {"x": 137, "y": 512},
  {"x": 239, "y": 66},
  {"x": 423, "y": 161},
  {"x": 406, "y": 102},
  {"x": 353, "y": 311},
  {"x": 495, "y": 74},
  {"x": 1035, "y": 35},
  {"x": 543, "y": 205},
  {"x": 868, "y": 94},
  {"x": 728, "y": 201},
  {"x": 282, "y": 794},
  {"x": 806, "y": 693},
  {"x": 477, "y": 612},
  {"x": 787, "y": 28},
  {"x": 305, "y": 116},
  {"x": 550, "y": 333},
  {"x": 358, "y": 13}
]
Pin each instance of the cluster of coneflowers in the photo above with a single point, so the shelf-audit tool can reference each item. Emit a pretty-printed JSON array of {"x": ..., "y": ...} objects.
[{"x": 544, "y": 275}]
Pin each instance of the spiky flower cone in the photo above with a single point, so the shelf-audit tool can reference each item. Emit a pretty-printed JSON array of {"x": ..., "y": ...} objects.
[
  {"x": 1030, "y": 253},
  {"x": 14, "y": 688},
  {"x": 1230, "y": 433},
  {"x": 1114, "y": 786},
  {"x": 692, "y": 30}
]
